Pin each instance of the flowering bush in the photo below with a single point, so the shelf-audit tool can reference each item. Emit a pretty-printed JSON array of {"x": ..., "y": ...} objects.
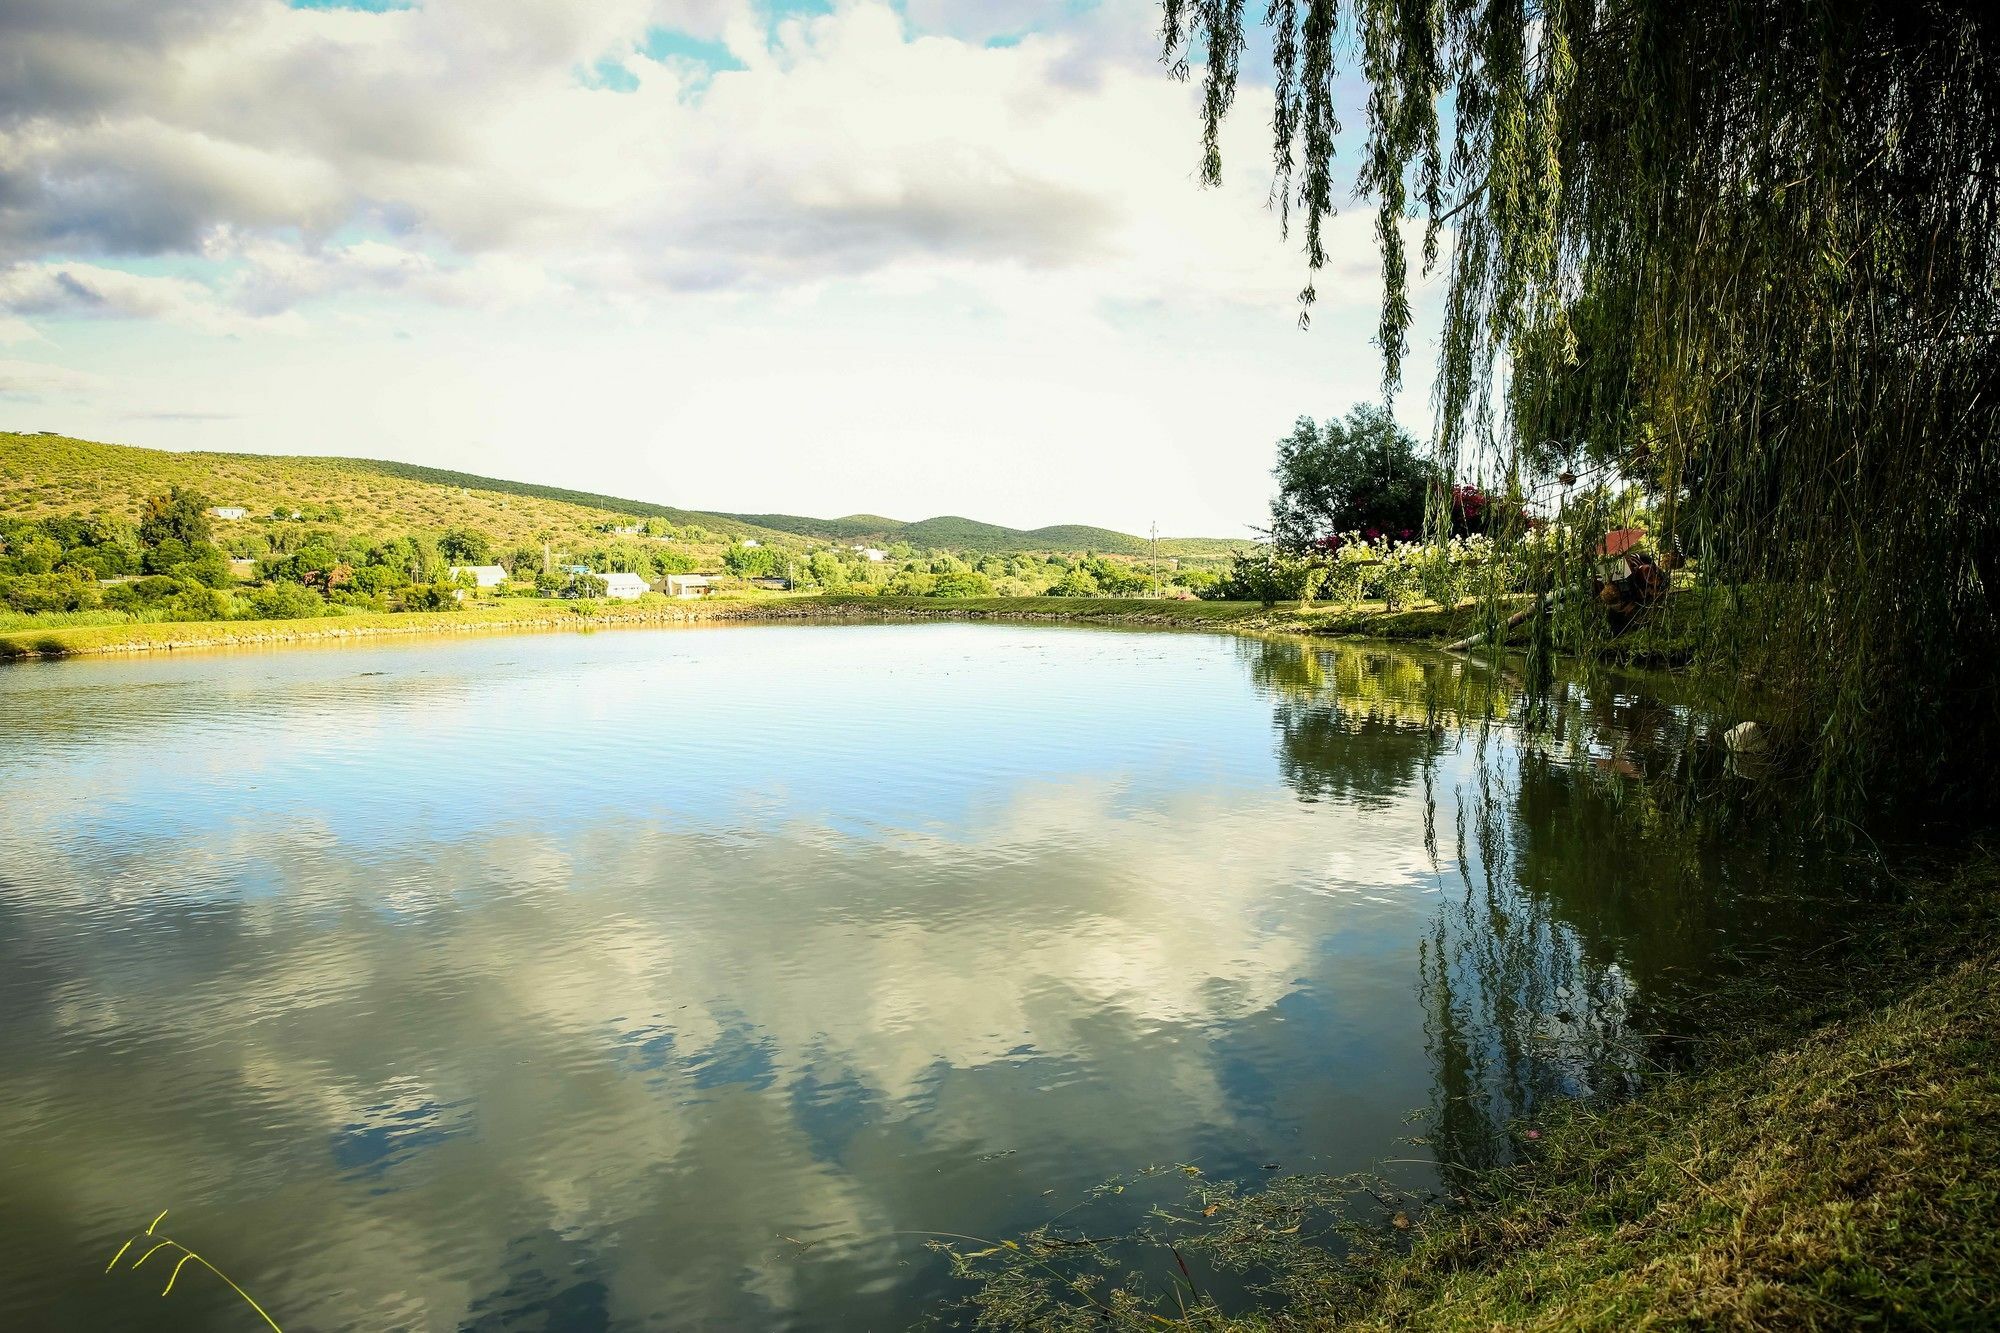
[{"x": 1358, "y": 567}]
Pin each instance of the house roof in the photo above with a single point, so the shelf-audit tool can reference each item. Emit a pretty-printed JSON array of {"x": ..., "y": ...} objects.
[{"x": 1621, "y": 540}]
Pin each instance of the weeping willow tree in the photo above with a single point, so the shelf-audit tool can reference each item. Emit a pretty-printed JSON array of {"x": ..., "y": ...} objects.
[{"x": 1742, "y": 254}]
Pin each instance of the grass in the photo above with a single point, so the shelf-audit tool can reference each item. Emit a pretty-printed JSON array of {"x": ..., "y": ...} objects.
[
  {"x": 44, "y": 475},
  {"x": 1370, "y": 619},
  {"x": 1824, "y": 1159},
  {"x": 82, "y": 636},
  {"x": 1830, "y": 1164},
  {"x": 152, "y": 1241},
  {"x": 498, "y": 614}
]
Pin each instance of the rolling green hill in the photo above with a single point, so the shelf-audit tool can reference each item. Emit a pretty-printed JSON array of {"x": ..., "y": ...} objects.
[
  {"x": 44, "y": 474},
  {"x": 51, "y": 474},
  {"x": 950, "y": 532}
]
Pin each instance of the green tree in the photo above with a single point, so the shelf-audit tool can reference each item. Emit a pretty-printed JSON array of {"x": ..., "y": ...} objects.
[
  {"x": 827, "y": 571},
  {"x": 1074, "y": 583},
  {"x": 179, "y": 515},
  {"x": 1744, "y": 252},
  {"x": 1363, "y": 473},
  {"x": 750, "y": 562},
  {"x": 284, "y": 601},
  {"x": 962, "y": 583},
  {"x": 465, "y": 546},
  {"x": 431, "y": 597},
  {"x": 63, "y": 590}
]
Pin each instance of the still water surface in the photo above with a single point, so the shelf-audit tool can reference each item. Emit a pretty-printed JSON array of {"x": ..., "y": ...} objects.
[{"x": 686, "y": 979}]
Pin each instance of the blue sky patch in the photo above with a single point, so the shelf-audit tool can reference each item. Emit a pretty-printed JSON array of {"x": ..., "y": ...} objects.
[
  {"x": 611, "y": 76},
  {"x": 672, "y": 44}
]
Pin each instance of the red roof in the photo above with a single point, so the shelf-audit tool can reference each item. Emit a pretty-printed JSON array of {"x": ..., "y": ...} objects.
[{"x": 1619, "y": 542}]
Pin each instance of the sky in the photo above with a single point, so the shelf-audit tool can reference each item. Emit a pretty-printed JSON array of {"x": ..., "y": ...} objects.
[{"x": 809, "y": 256}]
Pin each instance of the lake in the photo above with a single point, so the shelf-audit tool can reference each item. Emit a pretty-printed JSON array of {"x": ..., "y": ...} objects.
[{"x": 695, "y": 978}]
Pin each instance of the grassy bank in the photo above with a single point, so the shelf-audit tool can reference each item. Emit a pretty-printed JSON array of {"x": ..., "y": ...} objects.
[
  {"x": 71, "y": 640},
  {"x": 1824, "y": 1159},
  {"x": 1829, "y": 1163}
]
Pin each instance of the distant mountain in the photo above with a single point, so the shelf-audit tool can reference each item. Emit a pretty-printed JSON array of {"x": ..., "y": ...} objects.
[
  {"x": 44, "y": 474},
  {"x": 950, "y": 532}
]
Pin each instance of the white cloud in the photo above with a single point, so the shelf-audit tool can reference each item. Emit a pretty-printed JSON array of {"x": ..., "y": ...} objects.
[
  {"x": 865, "y": 242},
  {"x": 36, "y": 380},
  {"x": 94, "y": 290},
  {"x": 849, "y": 144}
]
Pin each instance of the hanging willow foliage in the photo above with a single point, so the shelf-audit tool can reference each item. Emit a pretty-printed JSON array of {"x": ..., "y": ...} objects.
[{"x": 1743, "y": 253}]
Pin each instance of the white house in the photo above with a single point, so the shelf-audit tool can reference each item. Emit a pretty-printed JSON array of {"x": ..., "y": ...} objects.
[
  {"x": 752, "y": 542},
  {"x": 872, "y": 554},
  {"x": 231, "y": 512},
  {"x": 626, "y": 586},
  {"x": 687, "y": 585},
  {"x": 485, "y": 576}
]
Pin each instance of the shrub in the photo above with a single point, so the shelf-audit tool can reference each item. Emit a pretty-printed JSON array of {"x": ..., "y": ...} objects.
[
  {"x": 430, "y": 597},
  {"x": 962, "y": 584},
  {"x": 284, "y": 601},
  {"x": 63, "y": 590}
]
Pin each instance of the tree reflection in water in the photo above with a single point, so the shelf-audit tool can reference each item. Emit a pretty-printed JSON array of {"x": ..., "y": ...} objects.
[{"x": 1590, "y": 866}]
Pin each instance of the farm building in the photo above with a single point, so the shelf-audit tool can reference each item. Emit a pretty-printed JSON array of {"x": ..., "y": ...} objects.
[
  {"x": 231, "y": 512},
  {"x": 485, "y": 576},
  {"x": 626, "y": 586},
  {"x": 687, "y": 585}
]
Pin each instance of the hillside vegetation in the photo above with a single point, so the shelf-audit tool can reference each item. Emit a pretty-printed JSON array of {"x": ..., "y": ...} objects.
[
  {"x": 44, "y": 475},
  {"x": 952, "y": 533},
  {"x": 108, "y": 534}
]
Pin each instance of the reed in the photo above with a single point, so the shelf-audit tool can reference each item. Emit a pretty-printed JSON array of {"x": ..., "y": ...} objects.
[{"x": 152, "y": 1241}]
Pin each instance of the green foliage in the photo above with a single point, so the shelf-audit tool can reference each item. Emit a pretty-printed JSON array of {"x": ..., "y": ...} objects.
[
  {"x": 1269, "y": 576},
  {"x": 965, "y": 534},
  {"x": 750, "y": 562},
  {"x": 1742, "y": 255},
  {"x": 966, "y": 583},
  {"x": 430, "y": 597},
  {"x": 465, "y": 546},
  {"x": 178, "y": 516},
  {"x": 284, "y": 601},
  {"x": 1361, "y": 474},
  {"x": 60, "y": 591},
  {"x": 1074, "y": 583},
  {"x": 826, "y": 570}
]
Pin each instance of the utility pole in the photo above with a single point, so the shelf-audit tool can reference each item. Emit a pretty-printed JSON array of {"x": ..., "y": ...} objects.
[{"x": 1156, "y": 557}]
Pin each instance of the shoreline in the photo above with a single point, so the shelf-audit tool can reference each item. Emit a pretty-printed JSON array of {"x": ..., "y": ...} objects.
[
  {"x": 58, "y": 642},
  {"x": 1815, "y": 1156}
]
